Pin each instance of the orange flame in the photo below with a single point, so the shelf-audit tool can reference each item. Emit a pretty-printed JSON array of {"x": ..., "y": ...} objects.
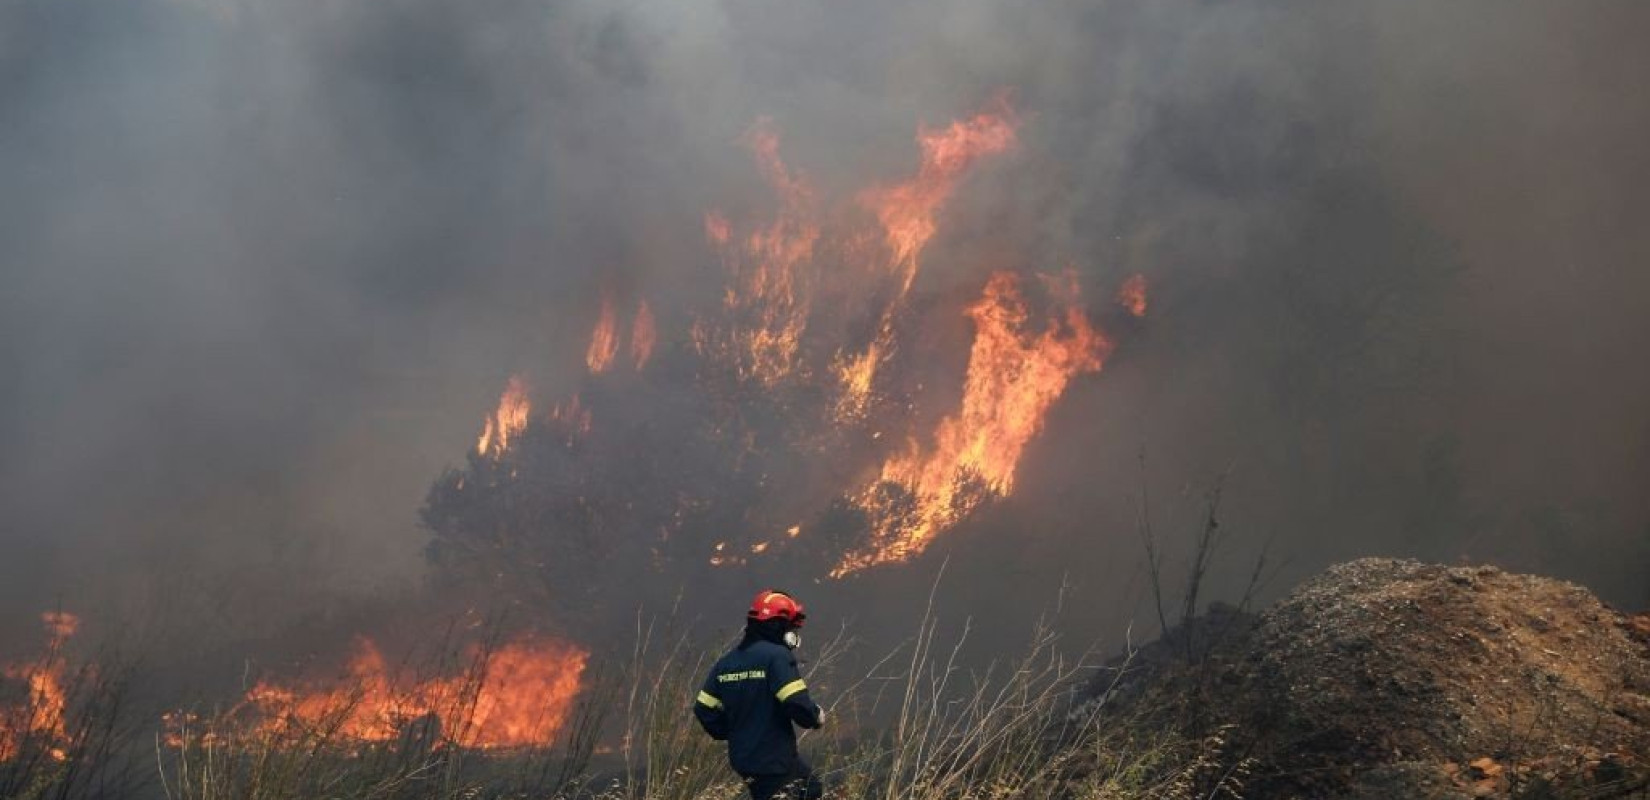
[
  {"x": 1020, "y": 362},
  {"x": 604, "y": 340},
  {"x": 518, "y": 696},
  {"x": 1132, "y": 295},
  {"x": 1014, "y": 376},
  {"x": 856, "y": 375},
  {"x": 41, "y": 715},
  {"x": 907, "y": 210},
  {"x": 509, "y": 420},
  {"x": 768, "y": 298},
  {"x": 642, "y": 336},
  {"x": 908, "y": 213}
]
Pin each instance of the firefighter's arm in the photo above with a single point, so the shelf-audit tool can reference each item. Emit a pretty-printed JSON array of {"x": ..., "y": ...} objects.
[
  {"x": 792, "y": 692},
  {"x": 707, "y": 708}
]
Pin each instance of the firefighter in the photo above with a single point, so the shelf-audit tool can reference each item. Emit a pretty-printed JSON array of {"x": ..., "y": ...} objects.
[{"x": 754, "y": 694}]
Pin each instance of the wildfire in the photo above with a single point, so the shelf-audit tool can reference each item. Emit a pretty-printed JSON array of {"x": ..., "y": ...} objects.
[
  {"x": 518, "y": 695},
  {"x": 604, "y": 340},
  {"x": 908, "y": 214},
  {"x": 907, "y": 211},
  {"x": 40, "y": 716},
  {"x": 856, "y": 375},
  {"x": 1014, "y": 375},
  {"x": 1132, "y": 295},
  {"x": 509, "y": 420},
  {"x": 643, "y": 336},
  {"x": 857, "y": 273},
  {"x": 768, "y": 298}
]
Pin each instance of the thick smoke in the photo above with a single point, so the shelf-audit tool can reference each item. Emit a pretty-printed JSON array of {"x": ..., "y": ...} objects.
[{"x": 268, "y": 264}]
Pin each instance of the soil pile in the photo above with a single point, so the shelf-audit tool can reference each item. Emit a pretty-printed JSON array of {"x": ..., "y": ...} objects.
[{"x": 1393, "y": 679}]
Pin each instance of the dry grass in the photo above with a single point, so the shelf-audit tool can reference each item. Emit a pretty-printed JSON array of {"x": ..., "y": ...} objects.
[
  {"x": 61, "y": 727},
  {"x": 917, "y": 725},
  {"x": 1031, "y": 727},
  {"x": 224, "y": 755}
]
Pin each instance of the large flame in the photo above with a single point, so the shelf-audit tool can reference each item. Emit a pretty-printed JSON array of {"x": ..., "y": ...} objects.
[
  {"x": 768, "y": 299},
  {"x": 908, "y": 214},
  {"x": 908, "y": 211},
  {"x": 509, "y": 420},
  {"x": 1014, "y": 375},
  {"x": 40, "y": 716},
  {"x": 518, "y": 695},
  {"x": 857, "y": 275}
]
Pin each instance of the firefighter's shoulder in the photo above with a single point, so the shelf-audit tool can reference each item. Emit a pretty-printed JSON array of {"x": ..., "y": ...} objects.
[
  {"x": 741, "y": 665},
  {"x": 770, "y": 653}
]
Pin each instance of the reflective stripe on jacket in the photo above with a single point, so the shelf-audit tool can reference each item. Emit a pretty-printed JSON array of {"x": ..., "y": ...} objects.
[{"x": 751, "y": 698}]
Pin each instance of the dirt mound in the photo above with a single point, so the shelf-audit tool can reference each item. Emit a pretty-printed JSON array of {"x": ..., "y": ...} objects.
[{"x": 1387, "y": 679}]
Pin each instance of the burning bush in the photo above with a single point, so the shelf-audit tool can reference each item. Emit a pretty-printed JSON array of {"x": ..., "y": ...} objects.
[
  {"x": 515, "y": 695},
  {"x": 786, "y": 425}
]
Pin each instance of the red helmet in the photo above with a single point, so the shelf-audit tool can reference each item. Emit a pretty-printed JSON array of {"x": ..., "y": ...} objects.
[{"x": 774, "y": 604}]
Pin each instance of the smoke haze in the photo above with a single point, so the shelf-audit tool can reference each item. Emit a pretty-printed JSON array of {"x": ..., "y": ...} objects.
[{"x": 268, "y": 265}]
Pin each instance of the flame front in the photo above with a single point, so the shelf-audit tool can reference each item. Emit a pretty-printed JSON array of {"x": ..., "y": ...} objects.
[
  {"x": 908, "y": 215},
  {"x": 509, "y": 420},
  {"x": 1014, "y": 376},
  {"x": 768, "y": 299},
  {"x": 908, "y": 211},
  {"x": 516, "y": 696},
  {"x": 809, "y": 317},
  {"x": 40, "y": 717}
]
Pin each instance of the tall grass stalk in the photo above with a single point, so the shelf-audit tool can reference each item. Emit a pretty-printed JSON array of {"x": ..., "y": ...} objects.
[{"x": 918, "y": 724}]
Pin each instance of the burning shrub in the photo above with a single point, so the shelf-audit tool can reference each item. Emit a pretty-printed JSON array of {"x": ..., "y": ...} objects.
[{"x": 786, "y": 402}]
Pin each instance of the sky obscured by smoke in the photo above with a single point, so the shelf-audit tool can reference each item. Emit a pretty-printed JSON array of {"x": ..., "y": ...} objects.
[{"x": 266, "y": 265}]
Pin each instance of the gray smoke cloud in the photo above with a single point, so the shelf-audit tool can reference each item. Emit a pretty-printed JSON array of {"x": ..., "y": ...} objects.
[{"x": 266, "y": 265}]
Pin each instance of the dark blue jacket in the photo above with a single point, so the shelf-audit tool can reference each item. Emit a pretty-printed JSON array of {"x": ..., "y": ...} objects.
[{"x": 750, "y": 698}]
